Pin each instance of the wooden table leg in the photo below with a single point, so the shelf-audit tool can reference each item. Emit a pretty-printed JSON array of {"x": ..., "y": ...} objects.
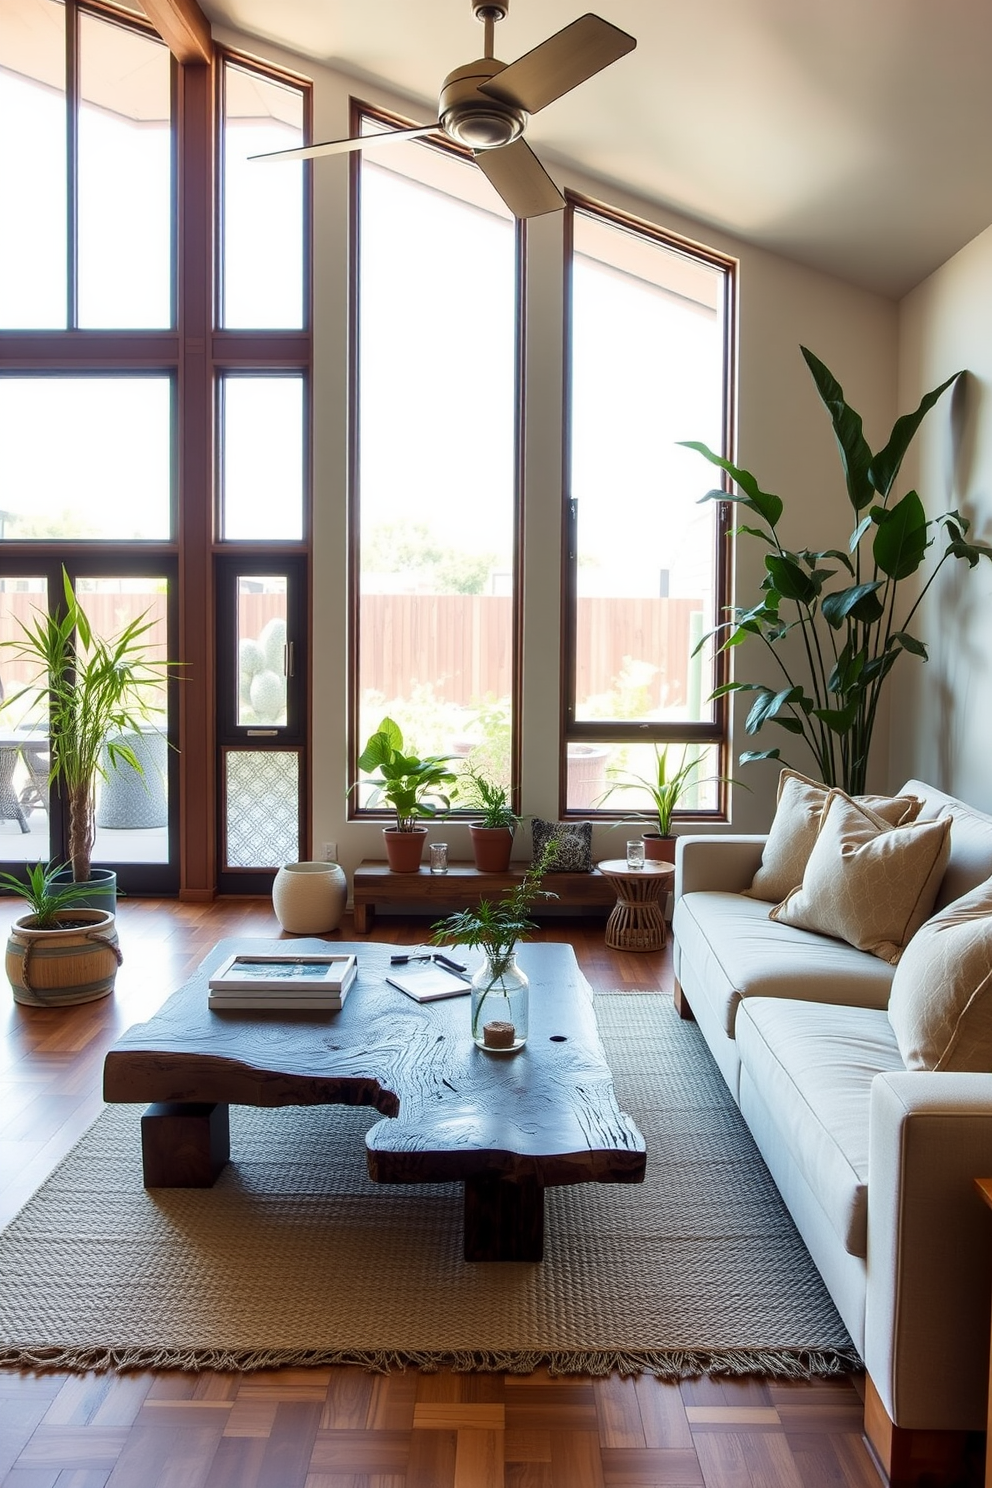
[
  {"x": 184, "y": 1145},
  {"x": 504, "y": 1220},
  {"x": 364, "y": 918}
]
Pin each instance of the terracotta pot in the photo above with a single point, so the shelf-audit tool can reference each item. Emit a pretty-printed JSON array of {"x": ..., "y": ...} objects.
[
  {"x": 658, "y": 849},
  {"x": 53, "y": 968},
  {"x": 491, "y": 848},
  {"x": 404, "y": 850}
]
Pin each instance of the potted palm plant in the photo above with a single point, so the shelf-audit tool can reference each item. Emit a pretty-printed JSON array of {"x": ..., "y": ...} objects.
[
  {"x": 666, "y": 788},
  {"x": 99, "y": 691},
  {"x": 500, "y": 990},
  {"x": 492, "y": 834},
  {"x": 416, "y": 789},
  {"x": 62, "y": 951}
]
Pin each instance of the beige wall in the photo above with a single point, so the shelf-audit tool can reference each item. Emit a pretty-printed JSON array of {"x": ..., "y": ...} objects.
[
  {"x": 783, "y": 436},
  {"x": 942, "y": 713}
]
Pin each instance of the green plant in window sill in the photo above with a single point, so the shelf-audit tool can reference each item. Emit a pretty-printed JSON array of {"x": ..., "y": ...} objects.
[
  {"x": 416, "y": 789},
  {"x": 489, "y": 797},
  {"x": 666, "y": 788},
  {"x": 852, "y": 635}
]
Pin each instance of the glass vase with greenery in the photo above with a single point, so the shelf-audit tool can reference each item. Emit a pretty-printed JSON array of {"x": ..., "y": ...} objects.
[
  {"x": 499, "y": 987},
  {"x": 850, "y": 634}
]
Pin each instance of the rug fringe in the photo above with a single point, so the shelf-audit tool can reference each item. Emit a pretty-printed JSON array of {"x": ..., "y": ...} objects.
[{"x": 665, "y": 1364}]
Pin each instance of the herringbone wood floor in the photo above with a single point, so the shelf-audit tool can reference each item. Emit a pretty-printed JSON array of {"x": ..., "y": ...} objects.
[{"x": 341, "y": 1428}]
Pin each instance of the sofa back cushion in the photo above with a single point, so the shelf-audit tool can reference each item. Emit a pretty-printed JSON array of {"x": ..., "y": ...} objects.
[
  {"x": 940, "y": 1006},
  {"x": 867, "y": 882},
  {"x": 799, "y": 807},
  {"x": 970, "y": 862}
]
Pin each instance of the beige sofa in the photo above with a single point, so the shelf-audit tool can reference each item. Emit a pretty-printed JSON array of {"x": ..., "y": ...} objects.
[{"x": 876, "y": 1163}]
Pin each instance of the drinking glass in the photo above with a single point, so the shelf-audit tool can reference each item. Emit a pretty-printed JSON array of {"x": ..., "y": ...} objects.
[
  {"x": 439, "y": 857},
  {"x": 635, "y": 853}
]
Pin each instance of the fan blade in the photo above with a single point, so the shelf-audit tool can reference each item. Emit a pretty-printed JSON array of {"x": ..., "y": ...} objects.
[
  {"x": 520, "y": 179},
  {"x": 559, "y": 64},
  {"x": 360, "y": 142}
]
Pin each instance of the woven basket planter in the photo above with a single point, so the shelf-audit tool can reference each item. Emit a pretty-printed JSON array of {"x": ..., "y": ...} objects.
[{"x": 59, "y": 967}]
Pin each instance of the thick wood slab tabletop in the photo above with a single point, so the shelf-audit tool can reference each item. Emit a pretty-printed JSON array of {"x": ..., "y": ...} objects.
[{"x": 547, "y": 1113}]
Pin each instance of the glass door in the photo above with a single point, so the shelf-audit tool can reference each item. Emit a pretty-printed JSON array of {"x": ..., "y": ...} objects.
[{"x": 261, "y": 720}]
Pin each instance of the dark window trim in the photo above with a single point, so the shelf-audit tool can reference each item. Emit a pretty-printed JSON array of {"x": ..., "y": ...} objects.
[{"x": 606, "y": 732}]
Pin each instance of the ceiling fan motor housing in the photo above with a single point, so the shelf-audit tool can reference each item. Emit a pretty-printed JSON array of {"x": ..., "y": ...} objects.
[{"x": 471, "y": 118}]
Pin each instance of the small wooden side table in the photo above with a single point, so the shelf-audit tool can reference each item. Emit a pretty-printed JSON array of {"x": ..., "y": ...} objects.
[{"x": 637, "y": 922}]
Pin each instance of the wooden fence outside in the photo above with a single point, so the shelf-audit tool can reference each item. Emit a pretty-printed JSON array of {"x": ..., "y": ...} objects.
[{"x": 460, "y": 645}]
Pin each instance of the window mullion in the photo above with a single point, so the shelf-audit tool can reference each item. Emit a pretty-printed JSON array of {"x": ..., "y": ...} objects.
[{"x": 72, "y": 163}]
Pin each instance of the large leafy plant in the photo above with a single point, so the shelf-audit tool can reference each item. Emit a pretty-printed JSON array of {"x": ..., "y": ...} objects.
[
  {"x": 99, "y": 691},
  {"x": 851, "y": 632},
  {"x": 415, "y": 788}
]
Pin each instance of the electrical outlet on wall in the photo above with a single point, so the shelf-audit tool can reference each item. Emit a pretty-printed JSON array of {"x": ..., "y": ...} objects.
[{"x": 330, "y": 852}]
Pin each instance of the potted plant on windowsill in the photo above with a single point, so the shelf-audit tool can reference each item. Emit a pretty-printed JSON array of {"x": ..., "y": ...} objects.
[
  {"x": 63, "y": 951},
  {"x": 666, "y": 788},
  {"x": 99, "y": 691},
  {"x": 492, "y": 834},
  {"x": 416, "y": 789}
]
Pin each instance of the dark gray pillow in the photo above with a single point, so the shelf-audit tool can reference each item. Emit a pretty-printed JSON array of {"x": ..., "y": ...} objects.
[{"x": 574, "y": 844}]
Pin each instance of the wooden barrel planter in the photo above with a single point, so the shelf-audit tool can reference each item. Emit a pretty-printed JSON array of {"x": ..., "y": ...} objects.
[{"x": 55, "y": 968}]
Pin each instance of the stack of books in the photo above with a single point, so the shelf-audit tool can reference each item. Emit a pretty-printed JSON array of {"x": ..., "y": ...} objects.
[{"x": 257, "y": 982}]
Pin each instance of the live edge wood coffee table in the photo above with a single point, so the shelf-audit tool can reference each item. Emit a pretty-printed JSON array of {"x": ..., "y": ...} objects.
[{"x": 506, "y": 1126}]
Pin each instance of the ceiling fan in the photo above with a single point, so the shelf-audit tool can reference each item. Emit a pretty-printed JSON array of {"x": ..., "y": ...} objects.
[{"x": 485, "y": 106}]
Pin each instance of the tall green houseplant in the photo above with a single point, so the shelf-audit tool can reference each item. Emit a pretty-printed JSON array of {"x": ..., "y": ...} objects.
[
  {"x": 850, "y": 633},
  {"x": 98, "y": 691}
]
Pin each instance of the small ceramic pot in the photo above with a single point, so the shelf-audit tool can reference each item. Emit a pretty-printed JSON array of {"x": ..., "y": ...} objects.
[
  {"x": 491, "y": 848},
  {"x": 658, "y": 849},
  {"x": 309, "y": 898},
  {"x": 404, "y": 850}
]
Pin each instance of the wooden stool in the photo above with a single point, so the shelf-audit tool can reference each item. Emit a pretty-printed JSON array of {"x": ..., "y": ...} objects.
[{"x": 637, "y": 922}]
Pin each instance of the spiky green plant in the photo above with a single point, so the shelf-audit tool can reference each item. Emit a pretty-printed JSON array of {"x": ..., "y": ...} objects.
[
  {"x": 48, "y": 897},
  {"x": 489, "y": 797},
  {"x": 98, "y": 690}
]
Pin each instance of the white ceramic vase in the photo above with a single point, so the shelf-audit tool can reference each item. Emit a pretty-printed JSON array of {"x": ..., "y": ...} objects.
[{"x": 309, "y": 898}]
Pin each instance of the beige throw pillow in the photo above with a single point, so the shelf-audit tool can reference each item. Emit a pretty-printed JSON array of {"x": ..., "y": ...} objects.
[
  {"x": 866, "y": 882},
  {"x": 799, "y": 807},
  {"x": 940, "y": 1006}
]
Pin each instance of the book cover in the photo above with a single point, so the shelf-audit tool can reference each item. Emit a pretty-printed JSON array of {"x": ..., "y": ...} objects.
[{"x": 278, "y": 976}]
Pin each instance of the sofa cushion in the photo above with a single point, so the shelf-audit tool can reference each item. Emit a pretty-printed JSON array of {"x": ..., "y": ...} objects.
[
  {"x": 941, "y": 1002},
  {"x": 813, "y": 1066},
  {"x": 734, "y": 952},
  {"x": 799, "y": 807},
  {"x": 970, "y": 862},
  {"x": 866, "y": 882},
  {"x": 574, "y": 840}
]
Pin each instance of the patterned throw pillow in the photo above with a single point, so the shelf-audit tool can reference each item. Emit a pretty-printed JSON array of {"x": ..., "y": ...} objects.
[
  {"x": 940, "y": 1006},
  {"x": 574, "y": 844}
]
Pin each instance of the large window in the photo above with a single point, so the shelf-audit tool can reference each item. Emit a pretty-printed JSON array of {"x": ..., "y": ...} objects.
[
  {"x": 436, "y": 472},
  {"x": 648, "y": 337}
]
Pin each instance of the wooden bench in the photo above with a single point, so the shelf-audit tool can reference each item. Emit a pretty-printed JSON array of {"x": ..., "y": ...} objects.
[{"x": 375, "y": 886}]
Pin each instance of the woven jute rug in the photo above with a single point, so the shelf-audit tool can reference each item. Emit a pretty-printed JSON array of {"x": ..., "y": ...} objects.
[{"x": 295, "y": 1257}]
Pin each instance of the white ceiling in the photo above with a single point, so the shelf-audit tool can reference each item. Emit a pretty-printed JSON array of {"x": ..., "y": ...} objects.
[{"x": 854, "y": 135}]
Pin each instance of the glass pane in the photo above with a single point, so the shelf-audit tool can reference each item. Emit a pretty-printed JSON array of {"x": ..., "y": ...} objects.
[
  {"x": 437, "y": 457},
  {"x": 263, "y": 203},
  {"x": 618, "y": 778},
  {"x": 262, "y": 479},
  {"x": 132, "y": 809},
  {"x": 647, "y": 371},
  {"x": 24, "y": 748},
  {"x": 85, "y": 457},
  {"x": 261, "y": 651},
  {"x": 125, "y": 178},
  {"x": 262, "y": 816},
  {"x": 32, "y": 166}
]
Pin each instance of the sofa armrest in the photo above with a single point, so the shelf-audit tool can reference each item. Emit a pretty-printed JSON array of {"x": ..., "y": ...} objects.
[
  {"x": 724, "y": 864},
  {"x": 929, "y": 1248}
]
